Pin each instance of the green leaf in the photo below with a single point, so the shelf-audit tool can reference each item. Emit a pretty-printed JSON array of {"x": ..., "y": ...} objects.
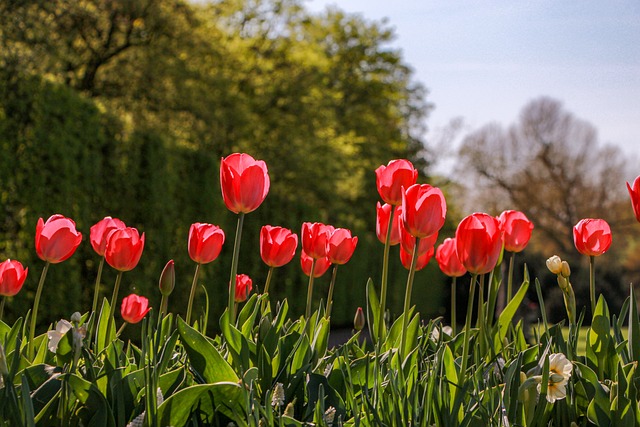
[
  {"x": 96, "y": 410},
  {"x": 504, "y": 321},
  {"x": 103, "y": 323},
  {"x": 204, "y": 357},
  {"x": 374, "y": 306},
  {"x": 634, "y": 328},
  {"x": 203, "y": 401}
]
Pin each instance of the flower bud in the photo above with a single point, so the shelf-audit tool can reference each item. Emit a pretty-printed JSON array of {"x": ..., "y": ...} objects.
[
  {"x": 554, "y": 264},
  {"x": 358, "y": 320},
  {"x": 167, "y": 279},
  {"x": 566, "y": 271},
  {"x": 76, "y": 317}
]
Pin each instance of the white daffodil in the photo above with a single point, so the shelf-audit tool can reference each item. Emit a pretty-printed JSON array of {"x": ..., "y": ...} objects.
[
  {"x": 62, "y": 327},
  {"x": 559, "y": 364},
  {"x": 560, "y": 370}
]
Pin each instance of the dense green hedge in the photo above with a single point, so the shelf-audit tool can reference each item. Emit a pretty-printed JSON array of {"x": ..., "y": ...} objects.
[{"x": 64, "y": 154}]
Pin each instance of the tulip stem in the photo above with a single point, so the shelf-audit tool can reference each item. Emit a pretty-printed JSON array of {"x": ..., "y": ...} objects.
[
  {"x": 96, "y": 290},
  {"x": 467, "y": 338},
  {"x": 509, "y": 279},
  {"x": 453, "y": 306},
  {"x": 268, "y": 282},
  {"x": 592, "y": 284},
  {"x": 112, "y": 307},
  {"x": 192, "y": 294},
  {"x": 164, "y": 305},
  {"x": 234, "y": 269},
  {"x": 385, "y": 274},
  {"x": 121, "y": 329},
  {"x": 307, "y": 313},
  {"x": 330, "y": 297},
  {"x": 34, "y": 313},
  {"x": 4, "y": 298},
  {"x": 407, "y": 298}
]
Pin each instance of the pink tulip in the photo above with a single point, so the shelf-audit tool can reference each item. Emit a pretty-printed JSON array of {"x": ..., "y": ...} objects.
[
  {"x": 244, "y": 182},
  {"x": 57, "y": 239}
]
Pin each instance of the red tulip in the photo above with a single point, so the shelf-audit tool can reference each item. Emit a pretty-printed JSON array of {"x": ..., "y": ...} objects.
[
  {"x": 516, "y": 229},
  {"x": 205, "y": 242},
  {"x": 12, "y": 277},
  {"x": 592, "y": 237},
  {"x": 382, "y": 223},
  {"x": 408, "y": 242},
  {"x": 277, "y": 245},
  {"x": 447, "y": 258},
  {"x": 423, "y": 210},
  {"x": 100, "y": 231},
  {"x": 315, "y": 237},
  {"x": 392, "y": 178},
  {"x": 341, "y": 246},
  {"x": 57, "y": 239},
  {"x": 421, "y": 262},
  {"x": 244, "y": 285},
  {"x": 124, "y": 248},
  {"x": 479, "y": 242},
  {"x": 134, "y": 308},
  {"x": 634, "y": 192},
  {"x": 244, "y": 182},
  {"x": 321, "y": 267}
]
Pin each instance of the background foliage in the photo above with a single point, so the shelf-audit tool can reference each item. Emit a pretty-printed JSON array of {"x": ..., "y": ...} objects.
[{"x": 125, "y": 108}]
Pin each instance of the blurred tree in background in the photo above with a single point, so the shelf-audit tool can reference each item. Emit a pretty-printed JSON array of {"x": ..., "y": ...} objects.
[
  {"x": 124, "y": 108},
  {"x": 550, "y": 165}
]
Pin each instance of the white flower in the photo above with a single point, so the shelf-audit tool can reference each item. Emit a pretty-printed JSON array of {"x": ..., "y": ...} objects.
[
  {"x": 554, "y": 264},
  {"x": 560, "y": 370},
  {"x": 559, "y": 364},
  {"x": 62, "y": 327},
  {"x": 329, "y": 415},
  {"x": 277, "y": 398}
]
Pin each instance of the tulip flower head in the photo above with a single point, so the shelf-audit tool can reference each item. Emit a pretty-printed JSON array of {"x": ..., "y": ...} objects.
[
  {"x": 479, "y": 242},
  {"x": 12, "y": 277},
  {"x": 634, "y": 193},
  {"x": 134, "y": 308},
  {"x": 244, "y": 285},
  {"x": 421, "y": 262},
  {"x": 516, "y": 229},
  {"x": 390, "y": 180},
  {"x": 124, "y": 248},
  {"x": 100, "y": 231},
  {"x": 592, "y": 237},
  {"x": 340, "y": 246},
  {"x": 57, "y": 238},
  {"x": 167, "y": 278},
  {"x": 359, "y": 319},
  {"x": 315, "y": 237},
  {"x": 321, "y": 267},
  {"x": 382, "y": 223},
  {"x": 423, "y": 210},
  {"x": 447, "y": 257},
  {"x": 277, "y": 245},
  {"x": 205, "y": 242},
  {"x": 407, "y": 243},
  {"x": 244, "y": 182}
]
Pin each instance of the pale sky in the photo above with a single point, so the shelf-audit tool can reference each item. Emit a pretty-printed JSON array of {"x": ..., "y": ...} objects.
[{"x": 484, "y": 60}]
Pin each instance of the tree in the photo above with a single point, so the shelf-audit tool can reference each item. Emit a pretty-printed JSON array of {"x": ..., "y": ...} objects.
[{"x": 551, "y": 166}]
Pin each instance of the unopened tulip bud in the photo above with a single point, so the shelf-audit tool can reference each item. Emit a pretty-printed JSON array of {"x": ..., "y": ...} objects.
[
  {"x": 358, "y": 320},
  {"x": 167, "y": 279},
  {"x": 566, "y": 270},
  {"x": 76, "y": 317},
  {"x": 554, "y": 264}
]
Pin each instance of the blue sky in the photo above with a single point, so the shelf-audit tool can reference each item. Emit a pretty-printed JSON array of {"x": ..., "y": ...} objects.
[{"x": 484, "y": 60}]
